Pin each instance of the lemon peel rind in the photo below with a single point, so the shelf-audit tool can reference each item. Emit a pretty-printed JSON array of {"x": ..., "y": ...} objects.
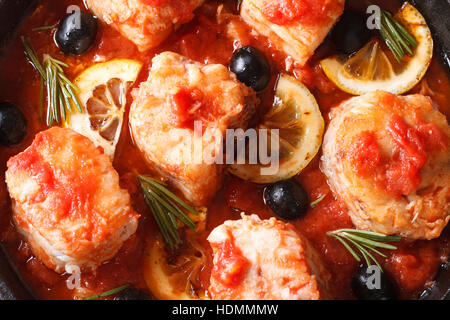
[
  {"x": 155, "y": 277},
  {"x": 415, "y": 23},
  {"x": 313, "y": 125},
  {"x": 126, "y": 70}
]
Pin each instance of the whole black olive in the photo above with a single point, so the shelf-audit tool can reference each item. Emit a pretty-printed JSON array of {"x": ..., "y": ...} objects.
[
  {"x": 366, "y": 286},
  {"x": 76, "y": 33},
  {"x": 251, "y": 68},
  {"x": 287, "y": 199},
  {"x": 132, "y": 294},
  {"x": 351, "y": 32},
  {"x": 13, "y": 125}
]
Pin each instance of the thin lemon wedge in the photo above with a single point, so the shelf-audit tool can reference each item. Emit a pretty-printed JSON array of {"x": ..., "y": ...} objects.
[
  {"x": 297, "y": 117},
  {"x": 103, "y": 90},
  {"x": 375, "y": 68}
]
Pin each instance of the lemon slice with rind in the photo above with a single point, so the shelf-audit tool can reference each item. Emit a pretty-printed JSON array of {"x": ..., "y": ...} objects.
[
  {"x": 103, "y": 90},
  {"x": 297, "y": 117},
  {"x": 175, "y": 276},
  {"x": 373, "y": 69}
]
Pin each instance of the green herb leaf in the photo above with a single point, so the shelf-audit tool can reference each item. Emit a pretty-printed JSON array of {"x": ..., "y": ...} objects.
[
  {"x": 396, "y": 37},
  {"x": 61, "y": 92},
  {"x": 166, "y": 208},
  {"x": 108, "y": 293},
  {"x": 362, "y": 243}
]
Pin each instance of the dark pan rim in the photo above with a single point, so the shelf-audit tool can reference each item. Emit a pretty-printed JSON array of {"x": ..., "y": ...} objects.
[{"x": 12, "y": 12}]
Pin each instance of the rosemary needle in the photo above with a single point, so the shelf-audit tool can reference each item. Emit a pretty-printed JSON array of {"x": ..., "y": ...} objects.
[
  {"x": 318, "y": 200},
  {"x": 61, "y": 92},
  {"x": 45, "y": 28},
  {"x": 166, "y": 208},
  {"x": 108, "y": 293},
  {"x": 362, "y": 243}
]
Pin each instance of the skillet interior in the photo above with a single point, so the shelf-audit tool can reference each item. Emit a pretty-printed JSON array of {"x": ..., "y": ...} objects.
[{"x": 12, "y": 12}]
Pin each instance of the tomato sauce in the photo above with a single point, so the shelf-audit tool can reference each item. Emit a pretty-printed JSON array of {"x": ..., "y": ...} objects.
[{"x": 208, "y": 38}]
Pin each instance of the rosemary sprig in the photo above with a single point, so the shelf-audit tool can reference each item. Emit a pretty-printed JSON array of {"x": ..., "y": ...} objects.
[
  {"x": 166, "y": 208},
  {"x": 61, "y": 92},
  {"x": 363, "y": 243},
  {"x": 108, "y": 293},
  {"x": 396, "y": 37}
]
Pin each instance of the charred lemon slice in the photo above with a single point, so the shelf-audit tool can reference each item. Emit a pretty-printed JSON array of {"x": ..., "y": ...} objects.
[
  {"x": 175, "y": 276},
  {"x": 103, "y": 90},
  {"x": 296, "y": 125},
  {"x": 375, "y": 68}
]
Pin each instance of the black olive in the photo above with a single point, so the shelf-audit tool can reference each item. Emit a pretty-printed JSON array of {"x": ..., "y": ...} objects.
[
  {"x": 13, "y": 125},
  {"x": 251, "y": 68},
  {"x": 364, "y": 285},
  {"x": 132, "y": 294},
  {"x": 351, "y": 32},
  {"x": 287, "y": 199},
  {"x": 76, "y": 33}
]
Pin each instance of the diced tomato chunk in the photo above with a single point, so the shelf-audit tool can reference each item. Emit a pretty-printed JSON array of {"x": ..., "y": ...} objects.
[
  {"x": 365, "y": 153},
  {"x": 412, "y": 148},
  {"x": 401, "y": 174},
  {"x": 231, "y": 264},
  {"x": 184, "y": 105},
  {"x": 190, "y": 105},
  {"x": 433, "y": 137}
]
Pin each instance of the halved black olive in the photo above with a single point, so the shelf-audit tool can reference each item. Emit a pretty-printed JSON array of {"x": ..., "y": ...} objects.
[
  {"x": 13, "y": 125},
  {"x": 76, "y": 33},
  {"x": 287, "y": 199},
  {"x": 251, "y": 68}
]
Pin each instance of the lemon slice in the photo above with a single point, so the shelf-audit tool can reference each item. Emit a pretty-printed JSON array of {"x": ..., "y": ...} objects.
[
  {"x": 372, "y": 69},
  {"x": 297, "y": 116},
  {"x": 175, "y": 276},
  {"x": 103, "y": 90}
]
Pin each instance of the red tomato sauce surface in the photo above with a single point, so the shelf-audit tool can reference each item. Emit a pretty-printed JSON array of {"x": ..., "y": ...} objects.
[{"x": 205, "y": 39}]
